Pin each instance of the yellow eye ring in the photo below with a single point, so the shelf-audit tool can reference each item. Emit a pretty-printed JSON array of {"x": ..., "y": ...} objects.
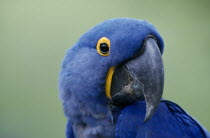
[{"x": 103, "y": 46}]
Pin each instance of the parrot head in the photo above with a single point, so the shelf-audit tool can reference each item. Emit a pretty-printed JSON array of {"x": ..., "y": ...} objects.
[{"x": 117, "y": 62}]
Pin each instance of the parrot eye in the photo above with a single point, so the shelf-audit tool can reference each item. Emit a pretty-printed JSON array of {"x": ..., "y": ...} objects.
[{"x": 103, "y": 46}]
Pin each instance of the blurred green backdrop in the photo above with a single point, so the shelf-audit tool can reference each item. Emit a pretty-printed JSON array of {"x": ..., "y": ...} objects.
[{"x": 34, "y": 35}]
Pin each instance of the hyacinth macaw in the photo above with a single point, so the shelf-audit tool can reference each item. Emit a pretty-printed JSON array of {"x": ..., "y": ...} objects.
[{"x": 111, "y": 85}]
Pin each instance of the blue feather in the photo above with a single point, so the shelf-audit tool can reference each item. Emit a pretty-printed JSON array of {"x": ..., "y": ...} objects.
[
  {"x": 169, "y": 120},
  {"x": 82, "y": 88}
]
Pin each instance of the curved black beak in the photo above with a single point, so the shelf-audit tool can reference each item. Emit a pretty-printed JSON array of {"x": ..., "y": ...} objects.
[{"x": 141, "y": 78}]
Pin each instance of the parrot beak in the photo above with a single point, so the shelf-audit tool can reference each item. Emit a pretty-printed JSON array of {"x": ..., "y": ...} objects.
[{"x": 140, "y": 78}]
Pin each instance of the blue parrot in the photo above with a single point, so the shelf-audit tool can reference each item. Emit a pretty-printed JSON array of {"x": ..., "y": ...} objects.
[{"x": 111, "y": 85}]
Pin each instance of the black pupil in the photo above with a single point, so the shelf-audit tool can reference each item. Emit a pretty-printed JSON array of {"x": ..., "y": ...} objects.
[{"x": 104, "y": 48}]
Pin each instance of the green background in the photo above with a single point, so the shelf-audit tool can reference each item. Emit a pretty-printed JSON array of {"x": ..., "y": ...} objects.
[{"x": 34, "y": 35}]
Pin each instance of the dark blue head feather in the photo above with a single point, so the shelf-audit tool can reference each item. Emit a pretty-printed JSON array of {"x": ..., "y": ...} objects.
[{"x": 83, "y": 74}]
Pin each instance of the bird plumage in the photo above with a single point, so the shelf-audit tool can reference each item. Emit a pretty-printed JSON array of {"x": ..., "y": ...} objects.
[
  {"x": 82, "y": 88},
  {"x": 169, "y": 121}
]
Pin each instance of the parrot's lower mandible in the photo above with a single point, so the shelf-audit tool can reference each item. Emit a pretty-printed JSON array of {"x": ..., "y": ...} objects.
[{"x": 111, "y": 85}]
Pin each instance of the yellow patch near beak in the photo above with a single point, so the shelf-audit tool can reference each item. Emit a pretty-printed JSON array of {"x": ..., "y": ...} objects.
[{"x": 109, "y": 81}]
